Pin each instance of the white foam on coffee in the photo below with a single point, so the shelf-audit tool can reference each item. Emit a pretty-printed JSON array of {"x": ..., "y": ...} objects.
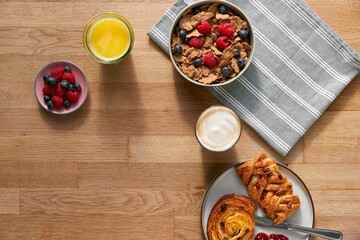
[{"x": 218, "y": 128}]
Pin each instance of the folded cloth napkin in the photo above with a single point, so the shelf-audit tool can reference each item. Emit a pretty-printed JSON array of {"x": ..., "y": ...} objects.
[{"x": 299, "y": 67}]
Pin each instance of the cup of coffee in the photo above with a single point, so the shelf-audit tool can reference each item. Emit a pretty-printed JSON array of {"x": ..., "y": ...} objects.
[{"x": 218, "y": 128}]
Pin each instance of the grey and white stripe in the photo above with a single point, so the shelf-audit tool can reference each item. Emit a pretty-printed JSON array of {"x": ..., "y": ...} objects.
[
  {"x": 275, "y": 109},
  {"x": 348, "y": 56},
  {"x": 285, "y": 88},
  {"x": 293, "y": 66},
  {"x": 170, "y": 14},
  {"x": 252, "y": 118},
  {"x": 161, "y": 36},
  {"x": 301, "y": 44},
  {"x": 188, "y": 2}
]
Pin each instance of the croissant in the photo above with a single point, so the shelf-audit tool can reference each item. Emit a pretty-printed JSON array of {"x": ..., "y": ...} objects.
[
  {"x": 232, "y": 217},
  {"x": 269, "y": 187}
]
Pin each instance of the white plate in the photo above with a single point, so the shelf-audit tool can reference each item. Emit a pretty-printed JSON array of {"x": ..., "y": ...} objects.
[{"x": 228, "y": 182}]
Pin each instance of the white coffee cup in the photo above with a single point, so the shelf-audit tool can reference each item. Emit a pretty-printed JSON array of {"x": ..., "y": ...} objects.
[{"x": 218, "y": 128}]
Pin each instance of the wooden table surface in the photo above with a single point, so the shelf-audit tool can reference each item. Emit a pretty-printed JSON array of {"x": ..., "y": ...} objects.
[{"x": 127, "y": 164}]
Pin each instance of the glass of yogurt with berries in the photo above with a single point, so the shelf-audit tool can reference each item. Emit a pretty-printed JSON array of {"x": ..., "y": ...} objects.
[{"x": 211, "y": 43}]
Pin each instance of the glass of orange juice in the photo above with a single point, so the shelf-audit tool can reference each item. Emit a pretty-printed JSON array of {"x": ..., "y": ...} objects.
[{"x": 108, "y": 38}]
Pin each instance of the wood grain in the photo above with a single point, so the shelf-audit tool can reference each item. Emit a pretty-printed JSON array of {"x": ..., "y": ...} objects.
[
  {"x": 113, "y": 147},
  {"x": 4, "y": 95},
  {"x": 123, "y": 202},
  {"x": 9, "y": 201},
  {"x": 187, "y": 227},
  {"x": 325, "y": 202},
  {"x": 127, "y": 164},
  {"x": 169, "y": 176},
  {"x": 33, "y": 174},
  {"x": 329, "y": 176},
  {"x": 100, "y": 227},
  {"x": 99, "y": 121},
  {"x": 334, "y": 138}
]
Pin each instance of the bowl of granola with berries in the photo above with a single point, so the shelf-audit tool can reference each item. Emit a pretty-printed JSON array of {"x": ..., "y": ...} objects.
[{"x": 211, "y": 43}]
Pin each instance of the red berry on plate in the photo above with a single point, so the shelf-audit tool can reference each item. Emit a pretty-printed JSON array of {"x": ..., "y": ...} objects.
[
  {"x": 58, "y": 101},
  {"x": 49, "y": 90},
  {"x": 195, "y": 42},
  {"x": 222, "y": 43},
  {"x": 70, "y": 77},
  {"x": 72, "y": 95},
  {"x": 209, "y": 60},
  {"x": 226, "y": 29},
  {"x": 261, "y": 236},
  {"x": 204, "y": 27},
  {"x": 59, "y": 90},
  {"x": 57, "y": 73},
  {"x": 278, "y": 237}
]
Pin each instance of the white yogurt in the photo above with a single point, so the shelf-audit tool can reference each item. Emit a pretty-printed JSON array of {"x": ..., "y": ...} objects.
[{"x": 218, "y": 128}]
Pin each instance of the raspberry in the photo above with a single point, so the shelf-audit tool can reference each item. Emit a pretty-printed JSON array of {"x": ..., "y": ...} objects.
[
  {"x": 57, "y": 73},
  {"x": 226, "y": 30},
  {"x": 72, "y": 96},
  {"x": 59, "y": 90},
  {"x": 58, "y": 101},
  {"x": 204, "y": 27},
  {"x": 209, "y": 60},
  {"x": 49, "y": 90},
  {"x": 261, "y": 236},
  {"x": 222, "y": 42},
  {"x": 70, "y": 77},
  {"x": 195, "y": 42},
  {"x": 278, "y": 237}
]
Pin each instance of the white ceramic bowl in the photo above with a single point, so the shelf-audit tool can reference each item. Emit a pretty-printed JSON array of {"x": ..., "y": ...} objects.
[{"x": 235, "y": 10}]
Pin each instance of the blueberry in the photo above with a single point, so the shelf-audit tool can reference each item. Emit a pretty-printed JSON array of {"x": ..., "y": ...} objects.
[
  {"x": 197, "y": 62},
  {"x": 47, "y": 98},
  {"x": 178, "y": 49},
  {"x": 243, "y": 33},
  {"x": 51, "y": 81},
  {"x": 46, "y": 77},
  {"x": 237, "y": 54},
  {"x": 195, "y": 10},
  {"x": 67, "y": 69},
  {"x": 77, "y": 86},
  {"x": 67, "y": 103},
  {"x": 64, "y": 84},
  {"x": 211, "y": 39},
  {"x": 71, "y": 87},
  {"x": 182, "y": 34},
  {"x": 222, "y": 9},
  {"x": 241, "y": 62},
  {"x": 225, "y": 71},
  {"x": 50, "y": 104},
  {"x": 186, "y": 41}
]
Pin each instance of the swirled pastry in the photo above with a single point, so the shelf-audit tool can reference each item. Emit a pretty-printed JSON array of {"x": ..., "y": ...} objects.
[
  {"x": 232, "y": 217},
  {"x": 269, "y": 187}
]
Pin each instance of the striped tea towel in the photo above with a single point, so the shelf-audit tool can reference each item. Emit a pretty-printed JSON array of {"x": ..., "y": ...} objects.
[{"x": 299, "y": 67}]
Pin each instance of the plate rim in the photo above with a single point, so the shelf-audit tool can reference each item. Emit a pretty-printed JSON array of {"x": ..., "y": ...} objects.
[{"x": 239, "y": 163}]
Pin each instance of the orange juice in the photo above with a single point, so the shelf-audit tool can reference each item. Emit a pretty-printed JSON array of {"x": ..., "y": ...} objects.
[{"x": 108, "y": 37}]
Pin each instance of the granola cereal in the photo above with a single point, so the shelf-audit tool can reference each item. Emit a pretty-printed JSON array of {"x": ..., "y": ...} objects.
[{"x": 215, "y": 35}]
